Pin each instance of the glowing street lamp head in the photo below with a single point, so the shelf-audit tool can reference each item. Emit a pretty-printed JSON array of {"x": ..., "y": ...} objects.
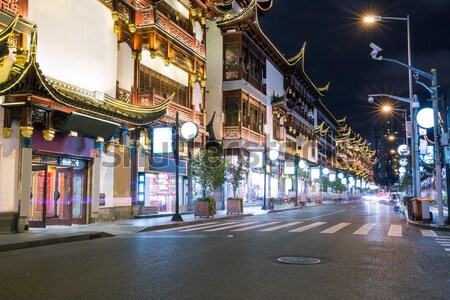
[
  {"x": 371, "y": 19},
  {"x": 387, "y": 108}
]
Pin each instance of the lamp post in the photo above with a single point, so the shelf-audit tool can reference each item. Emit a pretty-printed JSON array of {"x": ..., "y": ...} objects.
[
  {"x": 433, "y": 90},
  {"x": 414, "y": 107},
  {"x": 188, "y": 131},
  {"x": 269, "y": 156},
  {"x": 415, "y": 130}
]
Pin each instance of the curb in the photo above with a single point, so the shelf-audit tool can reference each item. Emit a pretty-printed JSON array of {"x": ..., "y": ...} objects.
[
  {"x": 421, "y": 225},
  {"x": 53, "y": 241}
]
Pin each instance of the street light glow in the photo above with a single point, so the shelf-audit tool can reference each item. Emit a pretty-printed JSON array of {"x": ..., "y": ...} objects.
[
  {"x": 387, "y": 108},
  {"x": 371, "y": 19}
]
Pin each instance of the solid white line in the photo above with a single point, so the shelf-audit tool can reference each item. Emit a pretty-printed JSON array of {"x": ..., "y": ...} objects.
[
  {"x": 428, "y": 233},
  {"x": 208, "y": 226},
  {"x": 395, "y": 230},
  {"x": 304, "y": 228},
  {"x": 443, "y": 242},
  {"x": 445, "y": 245},
  {"x": 442, "y": 238},
  {"x": 228, "y": 227},
  {"x": 183, "y": 227},
  {"x": 364, "y": 229},
  {"x": 255, "y": 226},
  {"x": 282, "y": 226},
  {"x": 447, "y": 249},
  {"x": 335, "y": 228}
]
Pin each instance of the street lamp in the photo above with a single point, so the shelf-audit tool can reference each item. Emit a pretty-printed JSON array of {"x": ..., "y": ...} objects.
[
  {"x": 415, "y": 148},
  {"x": 188, "y": 131},
  {"x": 414, "y": 107},
  {"x": 269, "y": 155},
  {"x": 433, "y": 90}
]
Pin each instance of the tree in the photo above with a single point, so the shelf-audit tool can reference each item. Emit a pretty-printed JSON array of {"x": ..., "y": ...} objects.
[
  {"x": 208, "y": 170},
  {"x": 236, "y": 172}
]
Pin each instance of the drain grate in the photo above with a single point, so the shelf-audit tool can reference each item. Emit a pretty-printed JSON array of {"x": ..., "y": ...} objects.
[{"x": 298, "y": 260}]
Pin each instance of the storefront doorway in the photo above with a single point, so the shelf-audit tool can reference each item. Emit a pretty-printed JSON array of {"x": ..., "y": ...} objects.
[{"x": 58, "y": 194}]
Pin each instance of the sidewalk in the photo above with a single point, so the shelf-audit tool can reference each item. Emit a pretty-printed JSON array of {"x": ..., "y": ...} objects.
[
  {"x": 433, "y": 225},
  {"x": 63, "y": 234}
]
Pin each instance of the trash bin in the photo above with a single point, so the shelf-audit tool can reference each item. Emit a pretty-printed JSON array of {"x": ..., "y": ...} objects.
[{"x": 421, "y": 207}]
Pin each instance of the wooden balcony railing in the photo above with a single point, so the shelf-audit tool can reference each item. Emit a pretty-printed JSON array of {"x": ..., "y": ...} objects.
[
  {"x": 236, "y": 132},
  {"x": 174, "y": 30}
]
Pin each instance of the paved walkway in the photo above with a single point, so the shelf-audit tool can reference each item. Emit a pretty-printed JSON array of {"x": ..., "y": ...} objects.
[{"x": 63, "y": 234}]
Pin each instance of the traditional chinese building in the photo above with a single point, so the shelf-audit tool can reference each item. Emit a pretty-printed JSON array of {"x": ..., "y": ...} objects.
[{"x": 82, "y": 88}]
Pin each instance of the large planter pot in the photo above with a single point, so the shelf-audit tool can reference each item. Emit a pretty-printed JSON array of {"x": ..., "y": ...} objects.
[
  {"x": 205, "y": 207},
  {"x": 234, "y": 206}
]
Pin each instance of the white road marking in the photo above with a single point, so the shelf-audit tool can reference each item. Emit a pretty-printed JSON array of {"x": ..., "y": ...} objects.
[
  {"x": 184, "y": 227},
  {"x": 447, "y": 249},
  {"x": 255, "y": 226},
  {"x": 335, "y": 228},
  {"x": 282, "y": 226},
  {"x": 428, "y": 233},
  {"x": 307, "y": 227},
  {"x": 207, "y": 226},
  {"x": 395, "y": 230},
  {"x": 364, "y": 229},
  {"x": 228, "y": 227}
]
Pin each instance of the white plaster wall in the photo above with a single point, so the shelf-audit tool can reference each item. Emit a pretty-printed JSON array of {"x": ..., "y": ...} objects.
[
  {"x": 107, "y": 177},
  {"x": 197, "y": 96},
  {"x": 157, "y": 64},
  {"x": 214, "y": 66},
  {"x": 274, "y": 80},
  {"x": 125, "y": 67},
  {"x": 8, "y": 166},
  {"x": 274, "y": 86},
  {"x": 76, "y": 42},
  {"x": 198, "y": 31},
  {"x": 179, "y": 7}
]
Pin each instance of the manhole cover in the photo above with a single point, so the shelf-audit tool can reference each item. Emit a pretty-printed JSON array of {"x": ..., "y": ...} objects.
[{"x": 298, "y": 260}]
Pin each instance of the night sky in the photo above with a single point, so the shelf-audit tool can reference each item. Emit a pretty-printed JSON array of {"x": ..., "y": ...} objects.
[{"x": 338, "y": 50}]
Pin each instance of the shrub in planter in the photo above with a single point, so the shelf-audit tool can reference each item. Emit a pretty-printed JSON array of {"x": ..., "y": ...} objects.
[{"x": 211, "y": 204}]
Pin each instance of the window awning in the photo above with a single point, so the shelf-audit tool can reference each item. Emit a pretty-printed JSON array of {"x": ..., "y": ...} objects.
[{"x": 88, "y": 126}]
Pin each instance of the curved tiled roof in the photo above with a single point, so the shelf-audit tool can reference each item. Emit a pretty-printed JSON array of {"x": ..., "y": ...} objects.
[{"x": 29, "y": 79}]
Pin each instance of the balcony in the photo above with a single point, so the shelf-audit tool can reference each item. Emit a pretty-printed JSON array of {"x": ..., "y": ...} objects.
[
  {"x": 241, "y": 132},
  {"x": 151, "y": 99},
  {"x": 150, "y": 17}
]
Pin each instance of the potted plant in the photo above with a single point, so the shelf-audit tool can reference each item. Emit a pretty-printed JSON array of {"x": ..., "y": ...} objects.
[
  {"x": 208, "y": 170},
  {"x": 236, "y": 172}
]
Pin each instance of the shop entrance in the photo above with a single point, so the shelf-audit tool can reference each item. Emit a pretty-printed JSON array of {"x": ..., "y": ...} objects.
[{"x": 57, "y": 196}]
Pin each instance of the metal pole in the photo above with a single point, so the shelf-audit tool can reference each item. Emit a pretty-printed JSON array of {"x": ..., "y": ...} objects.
[
  {"x": 177, "y": 216},
  {"x": 437, "y": 147},
  {"x": 264, "y": 207},
  {"x": 447, "y": 166},
  {"x": 414, "y": 125}
]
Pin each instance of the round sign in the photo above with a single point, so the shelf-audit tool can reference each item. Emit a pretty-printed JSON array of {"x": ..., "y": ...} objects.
[
  {"x": 425, "y": 118},
  {"x": 325, "y": 171},
  {"x": 189, "y": 130},
  {"x": 340, "y": 175},
  {"x": 302, "y": 164},
  {"x": 273, "y": 154},
  {"x": 403, "y": 162},
  {"x": 403, "y": 150}
]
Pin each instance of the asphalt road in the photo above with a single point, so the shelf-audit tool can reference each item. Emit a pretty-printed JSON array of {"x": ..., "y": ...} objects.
[{"x": 362, "y": 253}]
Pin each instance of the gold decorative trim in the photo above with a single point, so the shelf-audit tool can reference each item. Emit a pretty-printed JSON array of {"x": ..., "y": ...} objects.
[
  {"x": 49, "y": 134},
  {"x": 26, "y": 131},
  {"x": 7, "y": 132}
]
